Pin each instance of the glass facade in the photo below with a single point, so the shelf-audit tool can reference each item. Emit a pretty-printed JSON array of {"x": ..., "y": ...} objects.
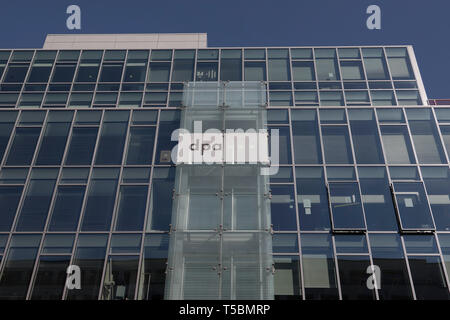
[{"x": 87, "y": 179}]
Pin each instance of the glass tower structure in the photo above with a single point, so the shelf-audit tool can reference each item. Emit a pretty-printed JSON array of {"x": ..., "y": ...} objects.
[{"x": 87, "y": 177}]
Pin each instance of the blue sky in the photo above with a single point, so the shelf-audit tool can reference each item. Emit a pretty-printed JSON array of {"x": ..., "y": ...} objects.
[{"x": 424, "y": 24}]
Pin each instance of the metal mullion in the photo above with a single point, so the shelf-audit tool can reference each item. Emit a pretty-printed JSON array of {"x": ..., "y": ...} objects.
[
  {"x": 390, "y": 75},
  {"x": 83, "y": 205},
  {"x": 340, "y": 77},
  {"x": 441, "y": 255},
  {"x": 380, "y": 137},
  {"x": 105, "y": 262},
  {"x": 294, "y": 177},
  {"x": 147, "y": 208},
  {"x": 405, "y": 257},
  {"x": 365, "y": 76},
  {"x": 77, "y": 67},
  {"x": 49, "y": 80},
  {"x": 336, "y": 266}
]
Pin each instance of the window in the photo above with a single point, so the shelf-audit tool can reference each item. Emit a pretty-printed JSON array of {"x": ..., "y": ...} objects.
[
  {"x": 100, "y": 200},
  {"x": 40, "y": 72},
  {"x": 397, "y": 145},
  {"x": 282, "y": 208},
  {"x": 336, "y": 144},
  {"x": 183, "y": 65},
  {"x": 399, "y": 64},
  {"x": 50, "y": 278},
  {"x": 159, "y": 72},
  {"x": 412, "y": 204},
  {"x": 437, "y": 182},
  {"x": 346, "y": 208},
  {"x": 9, "y": 200},
  {"x": 319, "y": 271},
  {"x": 303, "y": 71},
  {"x": 231, "y": 65},
  {"x": 15, "y": 73},
  {"x": 312, "y": 199},
  {"x": 375, "y": 64},
  {"x": 82, "y": 144},
  {"x": 90, "y": 257},
  {"x": 112, "y": 138},
  {"x": 140, "y": 145},
  {"x": 352, "y": 70},
  {"x": 6, "y": 126},
  {"x": 366, "y": 141},
  {"x": 120, "y": 278},
  {"x": 279, "y": 65},
  {"x": 206, "y": 71},
  {"x": 18, "y": 267},
  {"x": 111, "y": 72},
  {"x": 67, "y": 208},
  {"x": 23, "y": 146},
  {"x": 287, "y": 281},
  {"x": 131, "y": 208},
  {"x": 63, "y": 73},
  {"x": 87, "y": 72},
  {"x": 161, "y": 199},
  {"x": 255, "y": 71},
  {"x": 37, "y": 200}
]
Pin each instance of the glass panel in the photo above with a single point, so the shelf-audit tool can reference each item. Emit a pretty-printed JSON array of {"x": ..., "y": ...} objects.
[
  {"x": 153, "y": 269},
  {"x": 230, "y": 68},
  {"x": 336, "y": 144},
  {"x": 312, "y": 199},
  {"x": 9, "y": 200},
  {"x": 40, "y": 72},
  {"x": 183, "y": 66},
  {"x": 348, "y": 243},
  {"x": 397, "y": 145},
  {"x": 352, "y": 70},
  {"x": 445, "y": 130},
  {"x": 111, "y": 143},
  {"x": 120, "y": 278},
  {"x": 412, "y": 205},
  {"x": 375, "y": 64},
  {"x": 18, "y": 267},
  {"x": 346, "y": 208},
  {"x": 15, "y": 73},
  {"x": 327, "y": 69},
  {"x": 50, "y": 278},
  {"x": 437, "y": 182},
  {"x": 53, "y": 143},
  {"x": 136, "y": 175},
  {"x": 131, "y": 208},
  {"x": 377, "y": 199},
  {"x": 331, "y": 98},
  {"x": 89, "y": 256},
  {"x": 303, "y": 71},
  {"x": 423, "y": 243},
  {"x": 140, "y": 145},
  {"x": 285, "y": 243},
  {"x": 388, "y": 255},
  {"x": 111, "y": 72},
  {"x": 161, "y": 199},
  {"x": 284, "y": 144},
  {"x": 428, "y": 278},
  {"x": 255, "y": 71},
  {"x": 100, "y": 201},
  {"x": 23, "y": 145},
  {"x": 206, "y": 71},
  {"x": 353, "y": 277},
  {"x": 67, "y": 208},
  {"x": 37, "y": 200},
  {"x": 319, "y": 271},
  {"x": 82, "y": 144},
  {"x": 58, "y": 243},
  {"x": 170, "y": 121},
  {"x": 366, "y": 141},
  {"x": 287, "y": 281},
  {"x": 159, "y": 72},
  {"x": 399, "y": 64},
  {"x": 87, "y": 72},
  {"x": 63, "y": 73},
  {"x": 282, "y": 208},
  {"x": 425, "y": 136}
]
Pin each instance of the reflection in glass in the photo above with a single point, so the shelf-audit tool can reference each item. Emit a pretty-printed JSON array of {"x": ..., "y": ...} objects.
[
  {"x": 397, "y": 145},
  {"x": 353, "y": 277},
  {"x": 282, "y": 208},
  {"x": 336, "y": 144},
  {"x": 346, "y": 208},
  {"x": 22, "y": 150},
  {"x": 287, "y": 282},
  {"x": 82, "y": 144},
  {"x": 50, "y": 278},
  {"x": 9, "y": 200},
  {"x": 120, "y": 278},
  {"x": 67, "y": 208},
  {"x": 131, "y": 208}
]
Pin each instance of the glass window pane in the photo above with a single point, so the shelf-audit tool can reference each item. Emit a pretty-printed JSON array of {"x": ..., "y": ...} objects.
[
  {"x": 153, "y": 269},
  {"x": 159, "y": 72},
  {"x": 67, "y": 208},
  {"x": 37, "y": 200},
  {"x": 412, "y": 205},
  {"x": 100, "y": 201},
  {"x": 111, "y": 73},
  {"x": 312, "y": 199},
  {"x": 353, "y": 277},
  {"x": 352, "y": 70},
  {"x": 255, "y": 71},
  {"x": 140, "y": 145},
  {"x": 388, "y": 255},
  {"x": 135, "y": 72},
  {"x": 349, "y": 243},
  {"x": 161, "y": 195},
  {"x": 377, "y": 199},
  {"x": 375, "y": 64},
  {"x": 63, "y": 73},
  {"x": 58, "y": 243},
  {"x": 40, "y": 72},
  {"x": 170, "y": 121},
  {"x": 53, "y": 143},
  {"x": 230, "y": 69},
  {"x": 18, "y": 267},
  {"x": 50, "y": 278},
  {"x": 303, "y": 71},
  {"x": 423, "y": 243},
  {"x": 319, "y": 271},
  {"x": 82, "y": 146},
  {"x": 445, "y": 130},
  {"x": 347, "y": 212},
  {"x": 437, "y": 182},
  {"x": 428, "y": 278},
  {"x": 87, "y": 72},
  {"x": 366, "y": 141},
  {"x": 5, "y": 133},
  {"x": 90, "y": 257},
  {"x": 131, "y": 208},
  {"x": 183, "y": 66},
  {"x": 399, "y": 64},
  {"x": 327, "y": 69},
  {"x": 15, "y": 73},
  {"x": 9, "y": 200},
  {"x": 282, "y": 208},
  {"x": 397, "y": 145},
  {"x": 111, "y": 143},
  {"x": 287, "y": 281},
  {"x": 206, "y": 71},
  {"x": 336, "y": 144},
  {"x": 23, "y": 146}
]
